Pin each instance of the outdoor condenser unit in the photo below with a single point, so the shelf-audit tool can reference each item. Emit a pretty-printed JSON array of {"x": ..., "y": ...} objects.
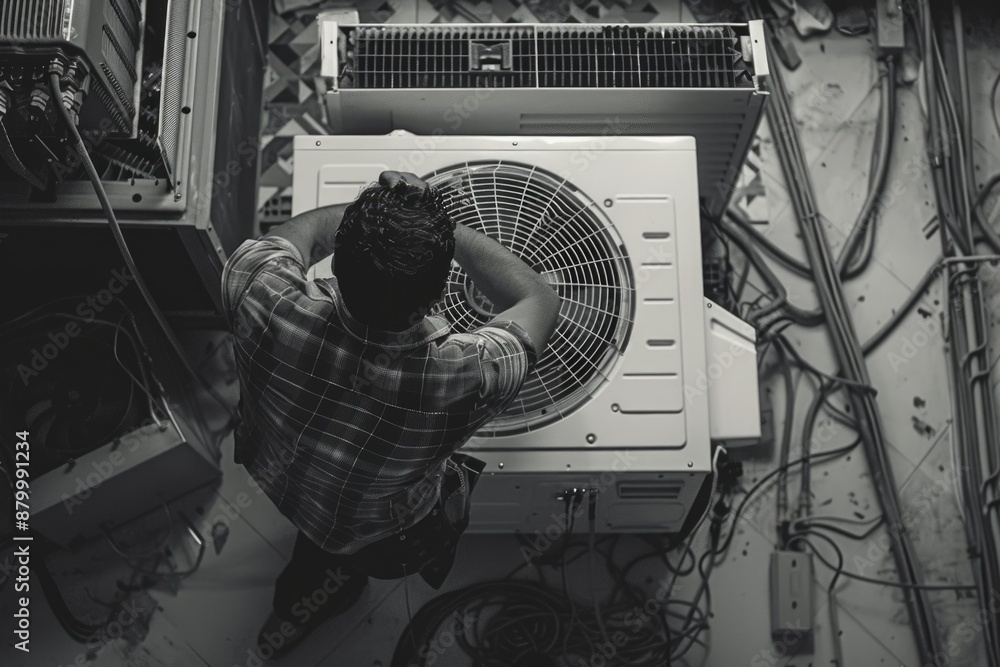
[
  {"x": 698, "y": 80},
  {"x": 642, "y": 373},
  {"x": 588, "y": 150}
]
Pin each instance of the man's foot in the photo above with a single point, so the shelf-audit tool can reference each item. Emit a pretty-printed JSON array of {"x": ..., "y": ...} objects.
[{"x": 278, "y": 636}]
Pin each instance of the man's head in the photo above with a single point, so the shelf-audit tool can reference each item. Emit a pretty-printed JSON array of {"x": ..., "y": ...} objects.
[{"x": 393, "y": 251}]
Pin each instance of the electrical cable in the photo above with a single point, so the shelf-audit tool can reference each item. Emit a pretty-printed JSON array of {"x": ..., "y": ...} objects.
[
  {"x": 801, "y": 316},
  {"x": 795, "y": 265},
  {"x": 781, "y": 497},
  {"x": 814, "y": 522},
  {"x": 865, "y": 223},
  {"x": 846, "y": 345},
  {"x": 990, "y": 235},
  {"x": 838, "y": 656},
  {"x": 975, "y": 431},
  {"x": 882, "y": 582},
  {"x": 152, "y": 552},
  {"x": 805, "y": 488},
  {"x": 993, "y": 104},
  {"x": 102, "y": 196},
  {"x": 10, "y": 157},
  {"x": 826, "y": 456},
  {"x": 79, "y": 631}
]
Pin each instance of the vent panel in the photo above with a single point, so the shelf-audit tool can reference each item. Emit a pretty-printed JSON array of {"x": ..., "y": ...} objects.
[
  {"x": 614, "y": 56},
  {"x": 31, "y": 19},
  {"x": 650, "y": 490},
  {"x": 125, "y": 21}
]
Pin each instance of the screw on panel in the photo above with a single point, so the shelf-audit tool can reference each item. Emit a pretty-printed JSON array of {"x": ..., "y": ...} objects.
[
  {"x": 690, "y": 464},
  {"x": 500, "y": 465},
  {"x": 591, "y": 438},
  {"x": 319, "y": 143},
  {"x": 514, "y": 143},
  {"x": 615, "y": 407},
  {"x": 608, "y": 203}
]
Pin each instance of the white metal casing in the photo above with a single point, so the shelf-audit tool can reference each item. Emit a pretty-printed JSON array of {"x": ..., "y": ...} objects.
[{"x": 648, "y": 425}]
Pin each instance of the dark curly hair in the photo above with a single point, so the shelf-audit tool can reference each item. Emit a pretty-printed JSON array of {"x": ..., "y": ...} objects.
[{"x": 393, "y": 254}]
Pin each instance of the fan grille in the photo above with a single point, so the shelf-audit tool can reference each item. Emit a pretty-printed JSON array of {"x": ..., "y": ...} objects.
[{"x": 566, "y": 237}]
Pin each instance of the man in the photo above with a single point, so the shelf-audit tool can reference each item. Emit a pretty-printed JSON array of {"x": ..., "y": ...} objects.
[{"x": 354, "y": 400}]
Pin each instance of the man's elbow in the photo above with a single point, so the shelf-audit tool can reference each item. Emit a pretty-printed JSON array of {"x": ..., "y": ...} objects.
[{"x": 551, "y": 302}]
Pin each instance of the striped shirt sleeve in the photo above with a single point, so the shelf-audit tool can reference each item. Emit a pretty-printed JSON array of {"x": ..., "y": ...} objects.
[
  {"x": 505, "y": 361},
  {"x": 272, "y": 253}
]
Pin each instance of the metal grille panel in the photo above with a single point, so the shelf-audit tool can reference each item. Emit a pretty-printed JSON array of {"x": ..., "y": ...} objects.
[
  {"x": 566, "y": 237},
  {"x": 176, "y": 71},
  {"x": 609, "y": 56},
  {"x": 31, "y": 19}
]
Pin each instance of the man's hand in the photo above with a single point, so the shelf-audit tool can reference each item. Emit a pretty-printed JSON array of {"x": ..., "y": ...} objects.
[{"x": 389, "y": 179}]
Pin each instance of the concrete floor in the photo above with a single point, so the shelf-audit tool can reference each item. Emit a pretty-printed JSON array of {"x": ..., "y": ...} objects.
[{"x": 212, "y": 617}]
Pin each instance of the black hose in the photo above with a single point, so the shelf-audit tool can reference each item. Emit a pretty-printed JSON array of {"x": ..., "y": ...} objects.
[
  {"x": 989, "y": 234},
  {"x": 795, "y": 265},
  {"x": 882, "y": 155},
  {"x": 799, "y": 315}
]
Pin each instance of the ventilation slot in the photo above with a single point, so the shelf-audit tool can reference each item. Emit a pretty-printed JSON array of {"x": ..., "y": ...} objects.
[
  {"x": 31, "y": 19},
  {"x": 125, "y": 17},
  {"x": 121, "y": 66},
  {"x": 650, "y": 490}
]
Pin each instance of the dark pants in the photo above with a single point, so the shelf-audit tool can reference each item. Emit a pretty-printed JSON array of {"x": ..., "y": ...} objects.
[{"x": 316, "y": 583}]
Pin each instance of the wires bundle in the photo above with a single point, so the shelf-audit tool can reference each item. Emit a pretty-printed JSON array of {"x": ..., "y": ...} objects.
[
  {"x": 515, "y": 622},
  {"x": 975, "y": 429},
  {"x": 853, "y": 373}
]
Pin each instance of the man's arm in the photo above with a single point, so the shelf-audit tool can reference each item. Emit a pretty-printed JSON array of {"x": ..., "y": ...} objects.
[
  {"x": 312, "y": 232},
  {"x": 521, "y": 294}
]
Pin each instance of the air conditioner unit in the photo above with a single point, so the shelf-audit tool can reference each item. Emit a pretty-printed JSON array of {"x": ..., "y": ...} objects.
[
  {"x": 699, "y": 80},
  {"x": 642, "y": 373}
]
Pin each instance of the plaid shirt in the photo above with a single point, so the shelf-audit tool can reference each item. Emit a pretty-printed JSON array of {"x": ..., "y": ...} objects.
[{"x": 353, "y": 427}]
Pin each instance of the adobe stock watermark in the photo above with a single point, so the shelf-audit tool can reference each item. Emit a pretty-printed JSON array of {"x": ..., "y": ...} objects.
[
  {"x": 911, "y": 345},
  {"x": 98, "y": 642},
  {"x": 824, "y": 433},
  {"x": 302, "y": 610},
  {"x": 453, "y": 117},
  {"x": 59, "y": 339},
  {"x": 965, "y": 632},
  {"x": 457, "y": 624},
  {"x": 923, "y": 503},
  {"x": 635, "y": 620},
  {"x": 542, "y": 540},
  {"x": 783, "y": 646},
  {"x": 101, "y": 471},
  {"x": 715, "y": 370}
]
